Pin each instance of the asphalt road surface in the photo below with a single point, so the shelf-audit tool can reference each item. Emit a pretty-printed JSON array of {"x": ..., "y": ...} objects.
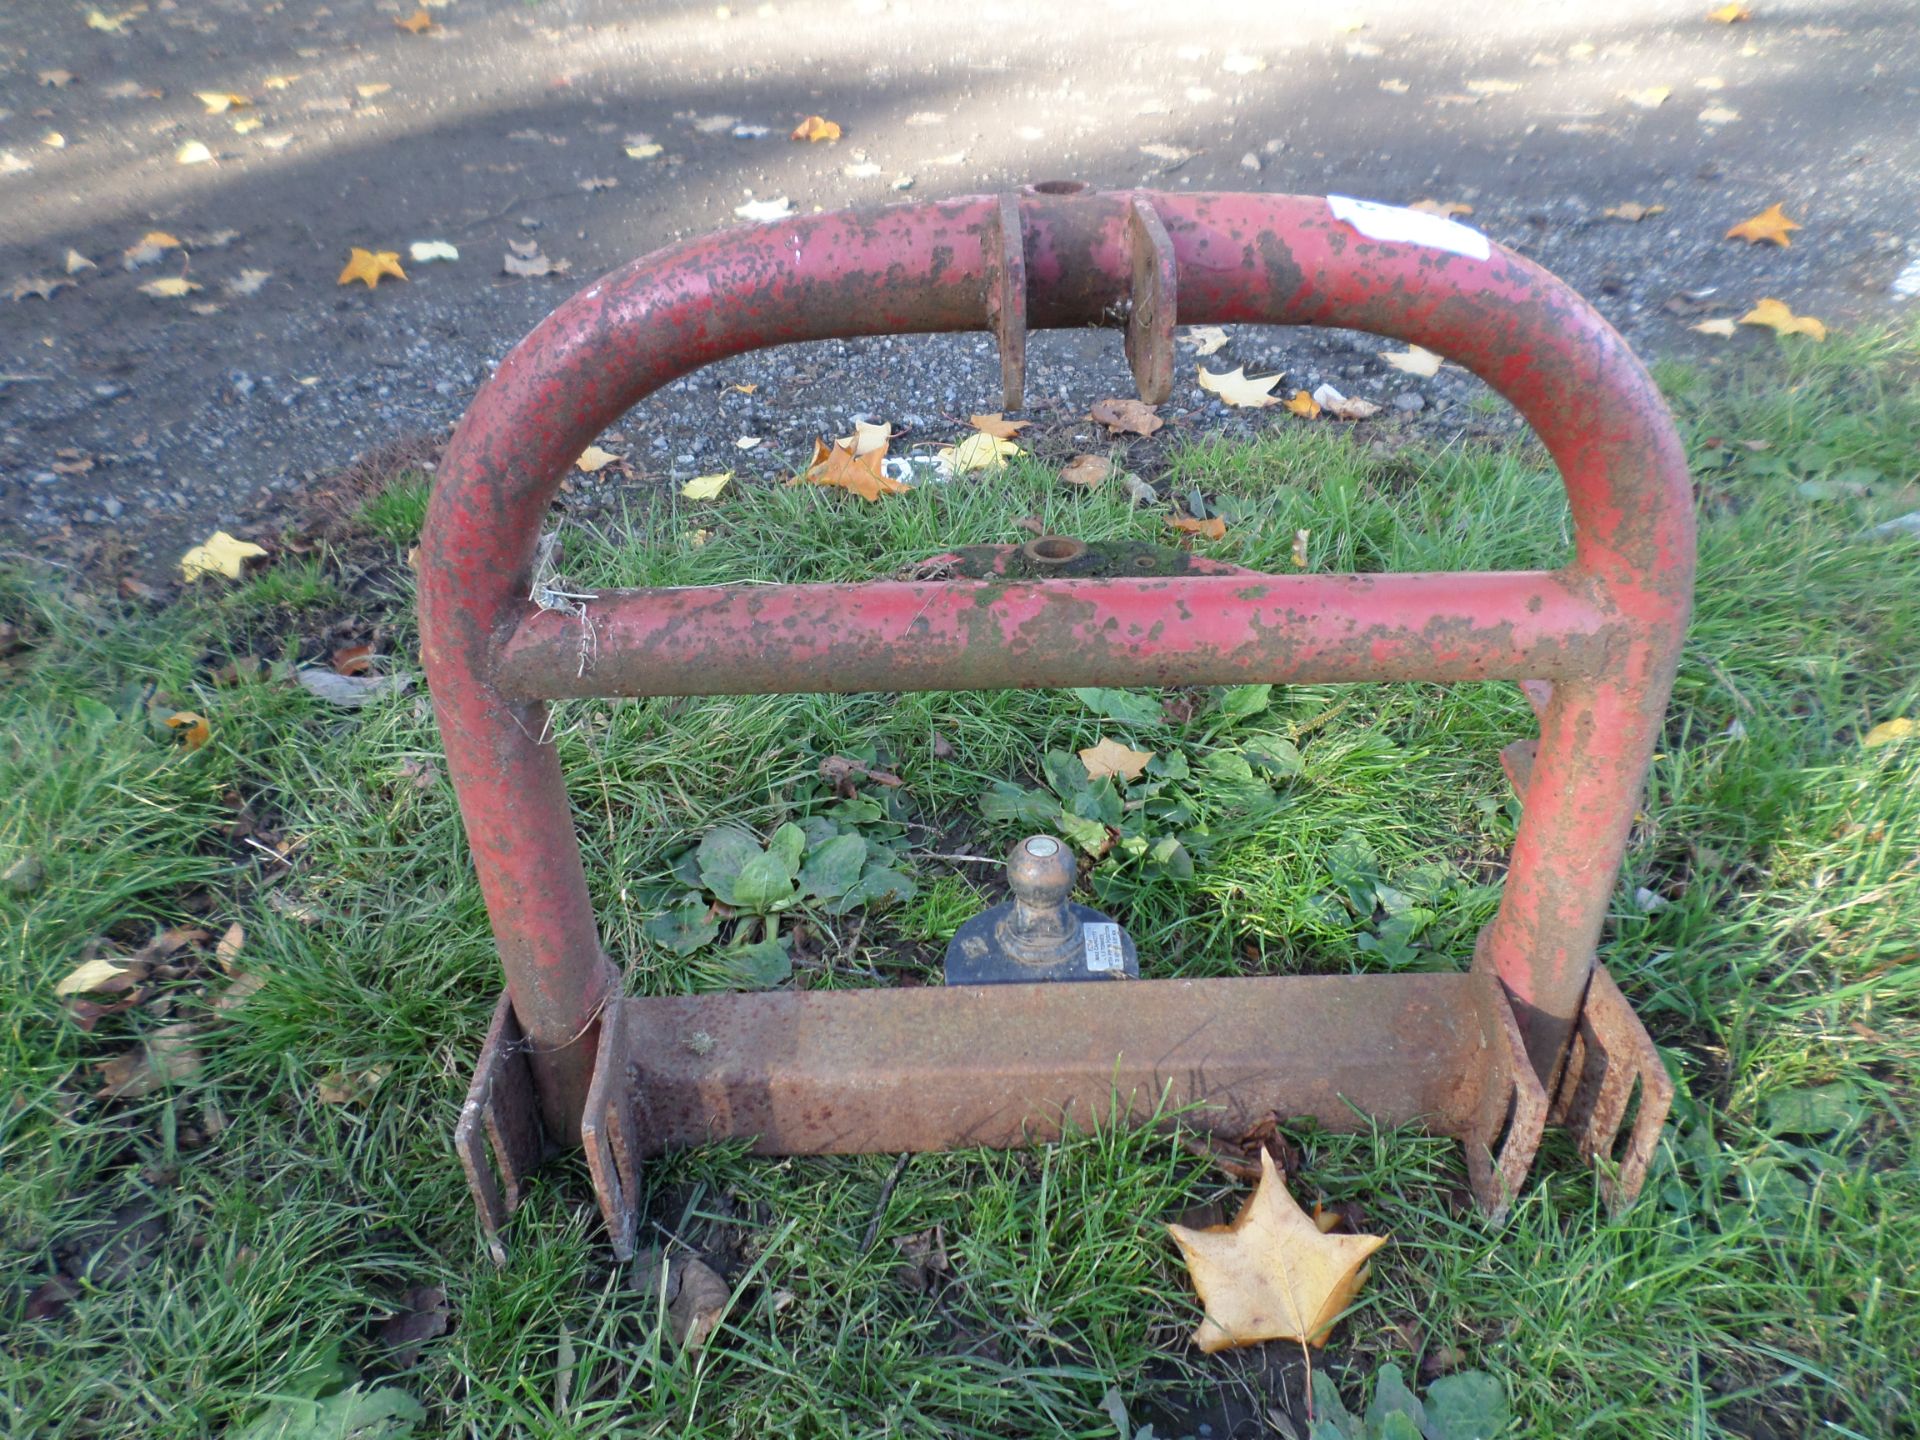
[{"x": 598, "y": 130}]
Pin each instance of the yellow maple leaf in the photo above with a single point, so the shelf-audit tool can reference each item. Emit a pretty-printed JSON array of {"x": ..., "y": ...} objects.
[
  {"x": 1721, "y": 325},
  {"x": 1770, "y": 225},
  {"x": 706, "y": 487},
  {"x": 1731, "y": 14},
  {"x": 1110, "y": 757},
  {"x": 838, "y": 465},
  {"x": 1888, "y": 731},
  {"x": 980, "y": 451},
  {"x": 218, "y": 102},
  {"x": 219, "y": 554},
  {"x": 1778, "y": 317},
  {"x": 815, "y": 128},
  {"x": 1235, "y": 388},
  {"x": 593, "y": 460},
  {"x": 417, "y": 23},
  {"x": 997, "y": 425},
  {"x": 867, "y": 436},
  {"x": 1303, "y": 405},
  {"x": 194, "y": 729},
  {"x": 1413, "y": 360},
  {"x": 1271, "y": 1274},
  {"x": 371, "y": 266},
  {"x": 171, "y": 288},
  {"x": 160, "y": 238},
  {"x": 1212, "y": 528}
]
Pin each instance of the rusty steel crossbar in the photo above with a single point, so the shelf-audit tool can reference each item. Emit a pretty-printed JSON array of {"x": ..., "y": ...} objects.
[{"x": 1535, "y": 1030}]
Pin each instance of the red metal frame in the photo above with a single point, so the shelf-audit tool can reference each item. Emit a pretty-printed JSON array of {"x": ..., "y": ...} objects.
[{"x": 1605, "y": 631}]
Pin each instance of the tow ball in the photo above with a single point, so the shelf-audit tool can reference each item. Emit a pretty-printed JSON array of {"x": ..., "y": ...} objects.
[{"x": 1004, "y": 1054}]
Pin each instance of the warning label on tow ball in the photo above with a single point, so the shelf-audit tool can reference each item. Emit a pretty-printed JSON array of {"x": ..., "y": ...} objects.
[{"x": 1104, "y": 952}]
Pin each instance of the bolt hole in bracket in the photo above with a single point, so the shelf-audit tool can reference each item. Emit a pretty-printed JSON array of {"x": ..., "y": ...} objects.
[{"x": 1534, "y": 1032}]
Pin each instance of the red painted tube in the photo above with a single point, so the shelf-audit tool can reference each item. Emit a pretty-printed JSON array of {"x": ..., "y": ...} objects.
[
  {"x": 964, "y": 635},
  {"x": 1238, "y": 258}
]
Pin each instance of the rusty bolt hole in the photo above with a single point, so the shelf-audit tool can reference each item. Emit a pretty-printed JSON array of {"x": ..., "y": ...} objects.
[
  {"x": 1054, "y": 550},
  {"x": 1059, "y": 187}
]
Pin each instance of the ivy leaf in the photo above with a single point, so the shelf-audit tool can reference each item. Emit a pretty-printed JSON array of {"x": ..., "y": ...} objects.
[{"x": 1123, "y": 705}]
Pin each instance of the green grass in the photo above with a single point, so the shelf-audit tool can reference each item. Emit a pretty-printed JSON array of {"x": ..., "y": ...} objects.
[{"x": 1766, "y": 1285}]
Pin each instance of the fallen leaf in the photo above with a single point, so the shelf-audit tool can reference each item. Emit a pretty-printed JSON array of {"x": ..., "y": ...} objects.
[
  {"x": 343, "y": 1087},
  {"x": 417, "y": 23},
  {"x": 148, "y": 249},
  {"x": 1271, "y": 1274},
  {"x": 815, "y": 128},
  {"x": 219, "y": 554},
  {"x": 55, "y": 79},
  {"x": 351, "y": 691},
  {"x": 1413, "y": 360},
  {"x": 868, "y": 436},
  {"x": 279, "y": 82},
  {"x": 1204, "y": 339},
  {"x": 1126, "y": 417},
  {"x": 525, "y": 260},
  {"x": 1236, "y": 389},
  {"x": 1342, "y": 407},
  {"x": 1445, "y": 209},
  {"x": 168, "y": 1055},
  {"x": 1770, "y": 225},
  {"x": 87, "y": 976},
  {"x": 593, "y": 459},
  {"x": 170, "y": 288},
  {"x": 1211, "y": 528},
  {"x": 1651, "y": 98},
  {"x": 701, "y": 1301},
  {"x": 639, "y": 147},
  {"x": 1087, "y": 471},
  {"x": 1888, "y": 731},
  {"x": 997, "y": 425},
  {"x": 1139, "y": 492},
  {"x": 353, "y": 659},
  {"x": 594, "y": 183},
  {"x": 230, "y": 945},
  {"x": 1110, "y": 757},
  {"x": 371, "y": 266},
  {"x": 218, "y": 102},
  {"x": 706, "y": 487},
  {"x": 248, "y": 282},
  {"x": 1730, "y": 14},
  {"x": 926, "y": 1260},
  {"x": 1171, "y": 156},
  {"x": 247, "y": 124},
  {"x": 193, "y": 729},
  {"x": 778, "y": 208},
  {"x": 837, "y": 465},
  {"x": 371, "y": 89},
  {"x": 422, "y": 1317},
  {"x": 979, "y": 451},
  {"x": 1718, "y": 115},
  {"x": 1779, "y": 318},
  {"x": 43, "y": 286},
  {"x": 422, "y": 251},
  {"x": 76, "y": 262},
  {"x": 1723, "y": 327},
  {"x": 111, "y": 24},
  {"x": 1304, "y": 405},
  {"x": 194, "y": 152},
  {"x": 1632, "y": 211}
]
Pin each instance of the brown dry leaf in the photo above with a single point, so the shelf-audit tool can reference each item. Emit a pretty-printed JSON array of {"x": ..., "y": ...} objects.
[
  {"x": 88, "y": 976},
  {"x": 1413, "y": 361},
  {"x": 353, "y": 659},
  {"x": 1204, "y": 339},
  {"x": 926, "y": 1260},
  {"x": 1300, "y": 539},
  {"x": 1770, "y": 225},
  {"x": 218, "y": 102},
  {"x": 1445, "y": 209},
  {"x": 997, "y": 425},
  {"x": 815, "y": 128},
  {"x": 193, "y": 729},
  {"x": 351, "y": 691},
  {"x": 1779, "y": 318},
  {"x": 167, "y": 1056},
  {"x": 341, "y": 1087},
  {"x": 523, "y": 258},
  {"x": 1236, "y": 389},
  {"x": 593, "y": 459},
  {"x": 1343, "y": 407},
  {"x": 1303, "y": 405},
  {"x": 243, "y": 985},
  {"x": 1729, "y": 14},
  {"x": 1723, "y": 327},
  {"x": 1212, "y": 528},
  {"x": 1087, "y": 471},
  {"x": 862, "y": 474},
  {"x": 230, "y": 945},
  {"x": 1271, "y": 1274},
  {"x": 697, "y": 1309},
  {"x": 1632, "y": 211},
  {"x": 371, "y": 266},
  {"x": 418, "y": 23},
  {"x": 1110, "y": 757},
  {"x": 1130, "y": 417}
]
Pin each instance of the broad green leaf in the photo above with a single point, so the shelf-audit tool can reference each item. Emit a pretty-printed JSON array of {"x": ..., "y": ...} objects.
[
  {"x": 1244, "y": 700},
  {"x": 1066, "y": 773},
  {"x": 1089, "y": 835},
  {"x": 686, "y": 869},
  {"x": 764, "y": 883},
  {"x": 384, "y": 1413},
  {"x": 877, "y": 885},
  {"x": 1331, "y": 1419},
  {"x": 722, "y": 855},
  {"x": 1029, "y": 807},
  {"x": 684, "y": 928},
  {"x": 1471, "y": 1405},
  {"x": 832, "y": 869},
  {"x": 1171, "y": 765},
  {"x": 858, "y": 811},
  {"x": 759, "y": 966},
  {"x": 789, "y": 842},
  {"x": 1100, "y": 801},
  {"x": 1122, "y": 705},
  {"x": 92, "y": 712},
  {"x": 1229, "y": 766},
  {"x": 1815, "y": 1110},
  {"x": 1391, "y": 1397},
  {"x": 1274, "y": 756},
  {"x": 1169, "y": 853},
  {"x": 1395, "y": 1426}
]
